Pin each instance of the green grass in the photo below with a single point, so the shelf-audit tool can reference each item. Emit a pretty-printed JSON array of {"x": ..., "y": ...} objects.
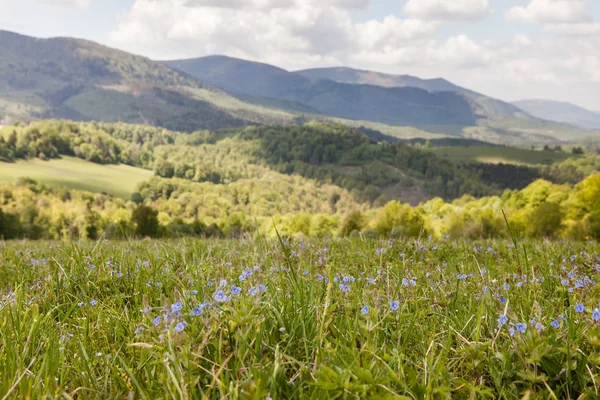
[
  {"x": 73, "y": 173},
  {"x": 141, "y": 319},
  {"x": 496, "y": 155}
]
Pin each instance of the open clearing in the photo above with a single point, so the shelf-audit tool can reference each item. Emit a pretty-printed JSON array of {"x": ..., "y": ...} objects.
[
  {"x": 496, "y": 155},
  {"x": 73, "y": 173}
]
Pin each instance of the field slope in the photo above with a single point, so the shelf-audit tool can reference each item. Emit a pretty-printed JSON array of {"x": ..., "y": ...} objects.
[{"x": 73, "y": 173}]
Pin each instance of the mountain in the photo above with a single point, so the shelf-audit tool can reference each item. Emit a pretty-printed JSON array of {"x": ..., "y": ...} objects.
[
  {"x": 395, "y": 106},
  {"x": 82, "y": 80},
  {"x": 356, "y": 76},
  {"x": 85, "y": 81},
  {"x": 561, "y": 112}
]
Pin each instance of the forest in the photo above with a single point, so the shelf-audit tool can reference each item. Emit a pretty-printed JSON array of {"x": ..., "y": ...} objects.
[{"x": 313, "y": 180}]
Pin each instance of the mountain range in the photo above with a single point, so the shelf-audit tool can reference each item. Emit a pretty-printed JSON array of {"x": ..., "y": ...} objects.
[
  {"x": 561, "y": 112},
  {"x": 82, "y": 80}
]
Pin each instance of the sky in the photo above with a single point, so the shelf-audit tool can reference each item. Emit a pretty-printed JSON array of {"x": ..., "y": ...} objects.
[{"x": 509, "y": 49}]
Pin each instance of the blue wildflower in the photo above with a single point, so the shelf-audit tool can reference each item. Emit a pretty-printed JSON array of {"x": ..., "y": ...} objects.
[
  {"x": 223, "y": 283},
  {"x": 521, "y": 327},
  {"x": 93, "y": 303},
  {"x": 236, "y": 290},
  {"x": 364, "y": 310},
  {"x": 179, "y": 327},
  {"x": 511, "y": 331},
  {"x": 502, "y": 299},
  {"x": 176, "y": 307},
  {"x": 156, "y": 321},
  {"x": 220, "y": 296},
  {"x": 503, "y": 320},
  {"x": 565, "y": 282},
  {"x": 506, "y": 286},
  {"x": 394, "y": 305},
  {"x": 539, "y": 327},
  {"x": 596, "y": 315},
  {"x": 404, "y": 282},
  {"x": 555, "y": 324},
  {"x": 139, "y": 330},
  {"x": 196, "y": 311},
  {"x": 344, "y": 288},
  {"x": 579, "y": 308}
]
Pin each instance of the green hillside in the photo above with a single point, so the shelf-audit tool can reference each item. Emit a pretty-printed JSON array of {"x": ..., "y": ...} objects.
[
  {"x": 73, "y": 173},
  {"x": 84, "y": 81},
  {"x": 496, "y": 155}
]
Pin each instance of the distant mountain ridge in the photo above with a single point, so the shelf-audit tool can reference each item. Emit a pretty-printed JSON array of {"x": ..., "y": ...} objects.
[
  {"x": 356, "y": 76},
  {"x": 561, "y": 112},
  {"x": 396, "y": 106},
  {"x": 84, "y": 81}
]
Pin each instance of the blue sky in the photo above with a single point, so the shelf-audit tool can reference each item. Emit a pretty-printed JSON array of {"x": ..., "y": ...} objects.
[{"x": 510, "y": 49}]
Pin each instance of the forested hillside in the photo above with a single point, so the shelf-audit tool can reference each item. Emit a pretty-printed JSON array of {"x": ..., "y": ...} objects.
[
  {"x": 374, "y": 171},
  {"x": 313, "y": 179}
]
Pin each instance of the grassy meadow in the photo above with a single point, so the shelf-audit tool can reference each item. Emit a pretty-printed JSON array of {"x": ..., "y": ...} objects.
[
  {"x": 73, "y": 173},
  {"x": 497, "y": 155},
  {"x": 331, "y": 318}
]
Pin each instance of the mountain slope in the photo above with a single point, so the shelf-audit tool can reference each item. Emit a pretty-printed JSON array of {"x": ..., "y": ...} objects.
[
  {"x": 395, "y": 106},
  {"x": 82, "y": 80},
  {"x": 356, "y": 76},
  {"x": 561, "y": 112}
]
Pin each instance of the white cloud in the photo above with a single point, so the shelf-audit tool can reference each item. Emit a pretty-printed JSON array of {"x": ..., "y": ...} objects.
[
  {"x": 551, "y": 11},
  {"x": 297, "y": 34},
  {"x": 448, "y": 10},
  {"x": 270, "y": 30},
  {"x": 272, "y": 4},
  {"x": 578, "y": 29},
  {"x": 67, "y": 3},
  {"x": 522, "y": 40}
]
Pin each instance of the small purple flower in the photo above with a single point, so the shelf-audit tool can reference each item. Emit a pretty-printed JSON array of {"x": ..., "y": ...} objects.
[
  {"x": 503, "y": 320},
  {"x": 580, "y": 308},
  {"x": 555, "y": 324},
  {"x": 139, "y": 330},
  {"x": 344, "y": 288},
  {"x": 364, "y": 310},
  {"x": 236, "y": 290},
  {"x": 175, "y": 308},
  {"x": 521, "y": 327},
  {"x": 196, "y": 311},
  {"x": 511, "y": 331},
  {"x": 220, "y": 296},
  {"x": 93, "y": 303},
  {"x": 539, "y": 327},
  {"x": 596, "y": 315},
  {"x": 394, "y": 305},
  {"x": 179, "y": 327},
  {"x": 156, "y": 321},
  {"x": 506, "y": 286}
]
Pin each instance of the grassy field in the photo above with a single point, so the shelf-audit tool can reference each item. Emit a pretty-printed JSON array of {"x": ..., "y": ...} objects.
[
  {"x": 344, "y": 319},
  {"x": 496, "y": 155},
  {"x": 73, "y": 173}
]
